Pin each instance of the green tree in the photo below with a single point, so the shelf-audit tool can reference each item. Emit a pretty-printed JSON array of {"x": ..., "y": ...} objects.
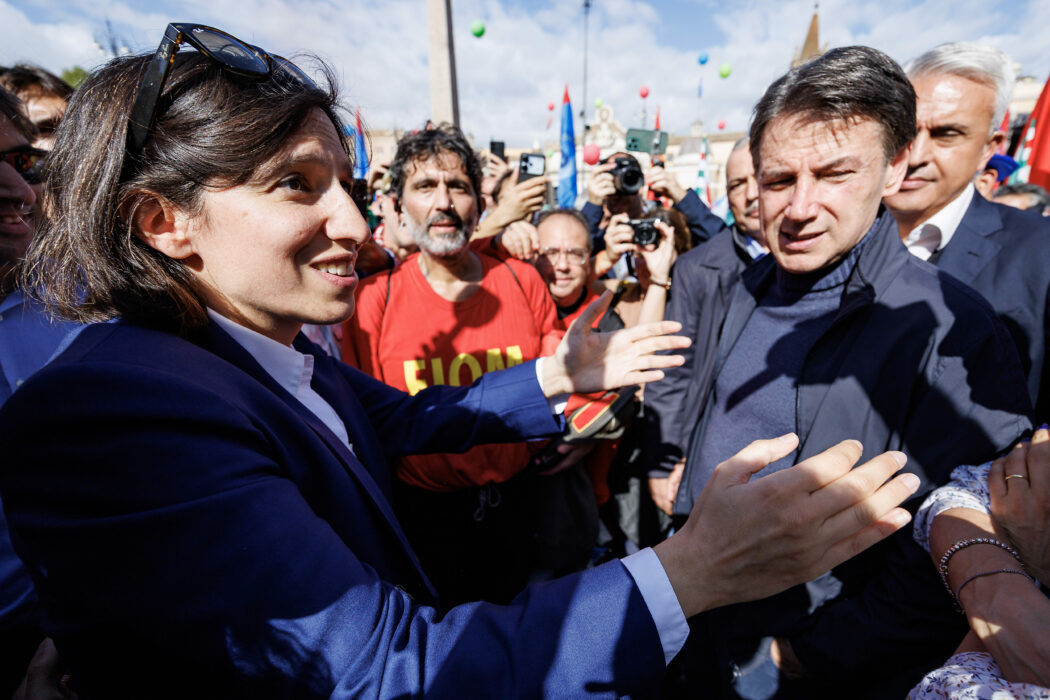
[{"x": 74, "y": 76}]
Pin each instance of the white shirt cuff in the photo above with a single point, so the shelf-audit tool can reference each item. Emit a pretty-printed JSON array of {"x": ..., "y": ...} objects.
[
  {"x": 557, "y": 403},
  {"x": 651, "y": 579}
]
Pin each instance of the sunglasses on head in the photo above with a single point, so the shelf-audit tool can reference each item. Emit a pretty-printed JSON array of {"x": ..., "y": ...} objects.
[
  {"x": 26, "y": 161},
  {"x": 231, "y": 53}
]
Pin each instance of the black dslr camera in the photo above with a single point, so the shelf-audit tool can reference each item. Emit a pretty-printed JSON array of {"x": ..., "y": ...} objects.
[
  {"x": 627, "y": 175},
  {"x": 645, "y": 232}
]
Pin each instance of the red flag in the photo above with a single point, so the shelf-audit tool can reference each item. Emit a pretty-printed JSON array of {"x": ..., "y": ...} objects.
[
  {"x": 1005, "y": 128},
  {"x": 657, "y": 125},
  {"x": 1034, "y": 152}
]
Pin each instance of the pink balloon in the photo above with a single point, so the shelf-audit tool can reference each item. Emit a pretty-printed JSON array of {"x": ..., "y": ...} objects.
[
  {"x": 721, "y": 124},
  {"x": 550, "y": 106},
  {"x": 591, "y": 154},
  {"x": 644, "y": 91}
]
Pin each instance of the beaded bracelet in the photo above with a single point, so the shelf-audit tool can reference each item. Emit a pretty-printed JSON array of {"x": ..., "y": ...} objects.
[
  {"x": 987, "y": 573},
  {"x": 963, "y": 544}
]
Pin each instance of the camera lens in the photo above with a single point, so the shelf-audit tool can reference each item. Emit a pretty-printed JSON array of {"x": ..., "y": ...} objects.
[
  {"x": 645, "y": 233},
  {"x": 631, "y": 181},
  {"x": 627, "y": 176}
]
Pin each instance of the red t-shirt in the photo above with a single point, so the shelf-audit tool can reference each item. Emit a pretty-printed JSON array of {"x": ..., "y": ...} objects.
[
  {"x": 564, "y": 323},
  {"x": 411, "y": 338}
]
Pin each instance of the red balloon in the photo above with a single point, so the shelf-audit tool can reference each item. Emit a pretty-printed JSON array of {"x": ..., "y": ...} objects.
[
  {"x": 644, "y": 91},
  {"x": 591, "y": 154},
  {"x": 721, "y": 124},
  {"x": 550, "y": 106}
]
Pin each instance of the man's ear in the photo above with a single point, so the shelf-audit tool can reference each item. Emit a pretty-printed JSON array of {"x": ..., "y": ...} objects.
[
  {"x": 992, "y": 147},
  {"x": 895, "y": 172},
  {"x": 161, "y": 226}
]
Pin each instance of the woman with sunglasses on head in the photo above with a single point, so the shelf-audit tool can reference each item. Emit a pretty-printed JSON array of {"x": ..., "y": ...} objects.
[{"x": 201, "y": 495}]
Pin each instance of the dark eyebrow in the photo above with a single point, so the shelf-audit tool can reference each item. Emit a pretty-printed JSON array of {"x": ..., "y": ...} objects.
[
  {"x": 453, "y": 181},
  {"x": 773, "y": 173},
  {"x": 940, "y": 128},
  {"x": 287, "y": 162},
  {"x": 48, "y": 126},
  {"x": 842, "y": 161}
]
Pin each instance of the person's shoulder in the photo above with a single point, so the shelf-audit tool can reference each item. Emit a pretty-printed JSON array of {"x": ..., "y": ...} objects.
[
  {"x": 1015, "y": 225},
  {"x": 921, "y": 281},
  {"x": 127, "y": 358},
  {"x": 122, "y": 340},
  {"x": 717, "y": 252}
]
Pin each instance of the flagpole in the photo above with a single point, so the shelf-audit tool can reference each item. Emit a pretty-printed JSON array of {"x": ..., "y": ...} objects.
[{"x": 583, "y": 105}]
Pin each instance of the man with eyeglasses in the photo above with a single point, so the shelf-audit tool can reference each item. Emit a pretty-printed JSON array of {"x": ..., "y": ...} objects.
[{"x": 563, "y": 261}]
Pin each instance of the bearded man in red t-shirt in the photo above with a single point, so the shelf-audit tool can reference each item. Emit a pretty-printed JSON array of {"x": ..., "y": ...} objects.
[{"x": 448, "y": 314}]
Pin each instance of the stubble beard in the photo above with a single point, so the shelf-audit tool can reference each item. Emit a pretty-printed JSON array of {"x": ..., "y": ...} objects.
[{"x": 438, "y": 246}]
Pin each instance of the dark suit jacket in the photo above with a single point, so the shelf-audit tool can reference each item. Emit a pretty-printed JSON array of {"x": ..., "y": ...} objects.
[
  {"x": 194, "y": 531},
  {"x": 1004, "y": 253},
  {"x": 914, "y": 361}
]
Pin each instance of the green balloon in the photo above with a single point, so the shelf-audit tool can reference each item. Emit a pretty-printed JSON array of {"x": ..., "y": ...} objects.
[
  {"x": 725, "y": 69},
  {"x": 598, "y": 103},
  {"x": 477, "y": 28}
]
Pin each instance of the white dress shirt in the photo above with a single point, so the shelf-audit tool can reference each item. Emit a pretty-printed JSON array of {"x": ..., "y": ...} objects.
[
  {"x": 294, "y": 370},
  {"x": 289, "y": 368},
  {"x": 935, "y": 233}
]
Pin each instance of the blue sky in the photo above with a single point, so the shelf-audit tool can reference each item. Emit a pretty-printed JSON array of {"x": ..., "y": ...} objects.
[{"x": 532, "y": 49}]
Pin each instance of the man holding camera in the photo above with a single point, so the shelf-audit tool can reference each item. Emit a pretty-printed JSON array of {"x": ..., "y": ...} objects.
[
  {"x": 617, "y": 187},
  {"x": 839, "y": 331}
]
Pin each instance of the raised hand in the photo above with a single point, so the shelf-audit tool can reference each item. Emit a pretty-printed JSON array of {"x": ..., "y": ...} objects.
[
  {"x": 746, "y": 540},
  {"x": 587, "y": 360}
]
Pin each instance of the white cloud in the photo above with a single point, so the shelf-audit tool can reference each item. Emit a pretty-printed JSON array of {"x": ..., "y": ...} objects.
[{"x": 531, "y": 50}]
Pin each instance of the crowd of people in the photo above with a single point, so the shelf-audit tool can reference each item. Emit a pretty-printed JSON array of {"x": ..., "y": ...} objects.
[{"x": 270, "y": 431}]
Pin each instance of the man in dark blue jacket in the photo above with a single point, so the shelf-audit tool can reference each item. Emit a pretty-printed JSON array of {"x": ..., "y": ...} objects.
[
  {"x": 703, "y": 278},
  {"x": 839, "y": 331},
  {"x": 963, "y": 90}
]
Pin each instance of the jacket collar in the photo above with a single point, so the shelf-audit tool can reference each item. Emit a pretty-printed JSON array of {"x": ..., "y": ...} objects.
[{"x": 972, "y": 248}]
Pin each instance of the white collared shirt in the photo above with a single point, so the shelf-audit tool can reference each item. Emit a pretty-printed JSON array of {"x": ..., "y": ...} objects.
[
  {"x": 290, "y": 368},
  {"x": 935, "y": 233}
]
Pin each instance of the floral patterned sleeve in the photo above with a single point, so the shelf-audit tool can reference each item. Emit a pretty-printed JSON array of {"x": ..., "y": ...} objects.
[
  {"x": 973, "y": 675},
  {"x": 968, "y": 488}
]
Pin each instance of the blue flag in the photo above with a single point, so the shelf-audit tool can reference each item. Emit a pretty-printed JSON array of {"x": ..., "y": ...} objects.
[
  {"x": 567, "y": 170},
  {"x": 360, "y": 151}
]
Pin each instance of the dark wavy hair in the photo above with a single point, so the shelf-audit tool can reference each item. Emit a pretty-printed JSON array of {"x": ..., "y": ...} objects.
[
  {"x": 851, "y": 82},
  {"x": 213, "y": 130},
  {"x": 428, "y": 143},
  {"x": 27, "y": 80},
  {"x": 12, "y": 108}
]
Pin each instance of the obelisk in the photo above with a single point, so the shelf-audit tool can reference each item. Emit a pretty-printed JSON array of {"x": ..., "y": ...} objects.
[{"x": 444, "y": 98}]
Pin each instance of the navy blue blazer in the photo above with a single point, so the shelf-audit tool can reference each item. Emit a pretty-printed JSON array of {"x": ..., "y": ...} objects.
[
  {"x": 1004, "y": 253},
  {"x": 194, "y": 531}
]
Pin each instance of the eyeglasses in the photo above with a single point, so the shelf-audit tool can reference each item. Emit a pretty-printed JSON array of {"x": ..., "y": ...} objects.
[
  {"x": 575, "y": 256},
  {"x": 26, "y": 161},
  {"x": 233, "y": 54}
]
